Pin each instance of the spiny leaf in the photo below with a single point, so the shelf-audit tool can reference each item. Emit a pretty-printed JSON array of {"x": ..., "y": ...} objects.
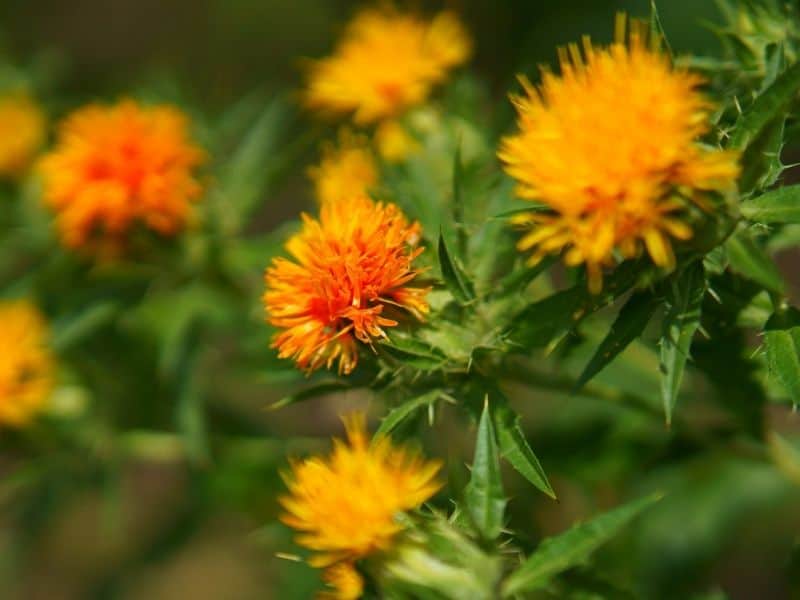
[
  {"x": 516, "y": 450},
  {"x": 685, "y": 298},
  {"x": 748, "y": 259},
  {"x": 314, "y": 391},
  {"x": 782, "y": 339},
  {"x": 761, "y": 161},
  {"x": 631, "y": 321},
  {"x": 483, "y": 495},
  {"x": 456, "y": 281},
  {"x": 414, "y": 353},
  {"x": 402, "y": 412},
  {"x": 777, "y": 206},
  {"x": 772, "y": 103},
  {"x": 562, "y": 552}
]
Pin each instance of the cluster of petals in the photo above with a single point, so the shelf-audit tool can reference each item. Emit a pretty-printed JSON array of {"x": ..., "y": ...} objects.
[
  {"x": 348, "y": 270},
  {"x": 347, "y": 169},
  {"x": 345, "y": 506},
  {"x": 118, "y": 167},
  {"x": 26, "y": 364},
  {"x": 23, "y": 128},
  {"x": 610, "y": 147}
]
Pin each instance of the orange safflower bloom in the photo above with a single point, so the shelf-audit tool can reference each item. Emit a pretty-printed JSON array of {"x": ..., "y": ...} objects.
[
  {"x": 345, "y": 506},
  {"x": 26, "y": 364},
  {"x": 346, "y": 581},
  {"x": 610, "y": 147},
  {"x": 349, "y": 267},
  {"x": 22, "y": 132},
  {"x": 385, "y": 63},
  {"x": 115, "y": 167}
]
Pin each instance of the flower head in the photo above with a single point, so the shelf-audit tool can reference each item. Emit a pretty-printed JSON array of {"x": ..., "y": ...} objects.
[
  {"x": 345, "y": 580},
  {"x": 350, "y": 267},
  {"x": 26, "y": 365},
  {"x": 345, "y": 170},
  {"x": 119, "y": 166},
  {"x": 345, "y": 506},
  {"x": 610, "y": 147},
  {"x": 22, "y": 131},
  {"x": 385, "y": 63}
]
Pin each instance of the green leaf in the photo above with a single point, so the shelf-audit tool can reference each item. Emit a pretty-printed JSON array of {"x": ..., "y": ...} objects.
[
  {"x": 631, "y": 321},
  {"x": 684, "y": 298},
  {"x": 539, "y": 323},
  {"x": 516, "y": 450},
  {"x": 456, "y": 281},
  {"x": 484, "y": 498},
  {"x": 314, "y": 391},
  {"x": 190, "y": 410},
  {"x": 782, "y": 340},
  {"x": 245, "y": 177},
  {"x": 402, "y": 412},
  {"x": 761, "y": 161},
  {"x": 77, "y": 327},
  {"x": 749, "y": 260},
  {"x": 768, "y": 106},
  {"x": 414, "y": 353},
  {"x": 777, "y": 206},
  {"x": 572, "y": 548},
  {"x": 458, "y": 202}
]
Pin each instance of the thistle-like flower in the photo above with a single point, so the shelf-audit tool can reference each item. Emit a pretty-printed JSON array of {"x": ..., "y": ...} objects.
[
  {"x": 385, "y": 63},
  {"x": 26, "y": 364},
  {"x": 611, "y": 148},
  {"x": 350, "y": 268},
  {"x": 119, "y": 166},
  {"x": 345, "y": 506},
  {"x": 345, "y": 170},
  {"x": 22, "y": 132}
]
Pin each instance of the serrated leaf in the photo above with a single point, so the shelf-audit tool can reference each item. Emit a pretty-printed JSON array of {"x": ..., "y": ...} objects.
[
  {"x": 454, "y": 278},
  {"x": 777, "y": 206},
  {"x": 314, "y": 391},
  {"x": 761, "y": 161},
  {"x": 684, "y": 298},
  {"x": 539, "y": 323},
  {"x": 483, "y": 496},
  {"x": 402, "y": 412},
  {"x": 631, "y": 321},
  {"x": 557, "y": 554},
  {"x": 768, "y": 106},
  {"x": 749, "y": 260},
  {"x": 782, "y": 340},
  {"x": 515, "y": 449}
]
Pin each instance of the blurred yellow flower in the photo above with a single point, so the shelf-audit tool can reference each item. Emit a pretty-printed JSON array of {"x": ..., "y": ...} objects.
[
  {"x": 393, "y": 142},
  {"x": 348, "y": 268},
  {"x": 386, "y": 62},
  {"x": 346, "y": 170},
  {"x": 345, "y": 506},
  {"x": 116, "y": 167},
  {"x": 22, "y": 132},
  {"x": 26, "y": 365},
  {"x": 610, "y": 147},
  {"x": 346, "y": 581}
]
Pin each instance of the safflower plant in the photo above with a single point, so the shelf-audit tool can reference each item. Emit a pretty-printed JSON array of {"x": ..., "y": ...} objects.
[{"x": 580, "y": 300}]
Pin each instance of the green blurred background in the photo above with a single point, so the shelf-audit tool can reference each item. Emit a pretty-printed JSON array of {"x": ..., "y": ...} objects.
[{"x": 162, "y": 531}]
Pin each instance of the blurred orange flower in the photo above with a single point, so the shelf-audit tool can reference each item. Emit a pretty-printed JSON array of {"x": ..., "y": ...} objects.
[
  {"x": 115, "y": 167},
  {"x": 346, "y": 170},
  {"x": 26, "y": 365}
]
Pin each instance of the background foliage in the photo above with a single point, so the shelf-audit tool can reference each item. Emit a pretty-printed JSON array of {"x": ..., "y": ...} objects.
[{"x": 157, "y": 475}]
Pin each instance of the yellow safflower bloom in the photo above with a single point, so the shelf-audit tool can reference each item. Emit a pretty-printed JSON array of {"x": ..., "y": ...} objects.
[
  {"x": 22, "y": 132},
  {"x": 26, "y": 365},
  {"x": 349, "y": 268},
  {"x": 345, "y": 506},
  {"x": 116, "y": 167},
  {"x": 385, "y": 63},
  {"x": 345, "y": 580},
  {"x": 345, "y": 171},
  {"x": 610, "y": 147}
]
